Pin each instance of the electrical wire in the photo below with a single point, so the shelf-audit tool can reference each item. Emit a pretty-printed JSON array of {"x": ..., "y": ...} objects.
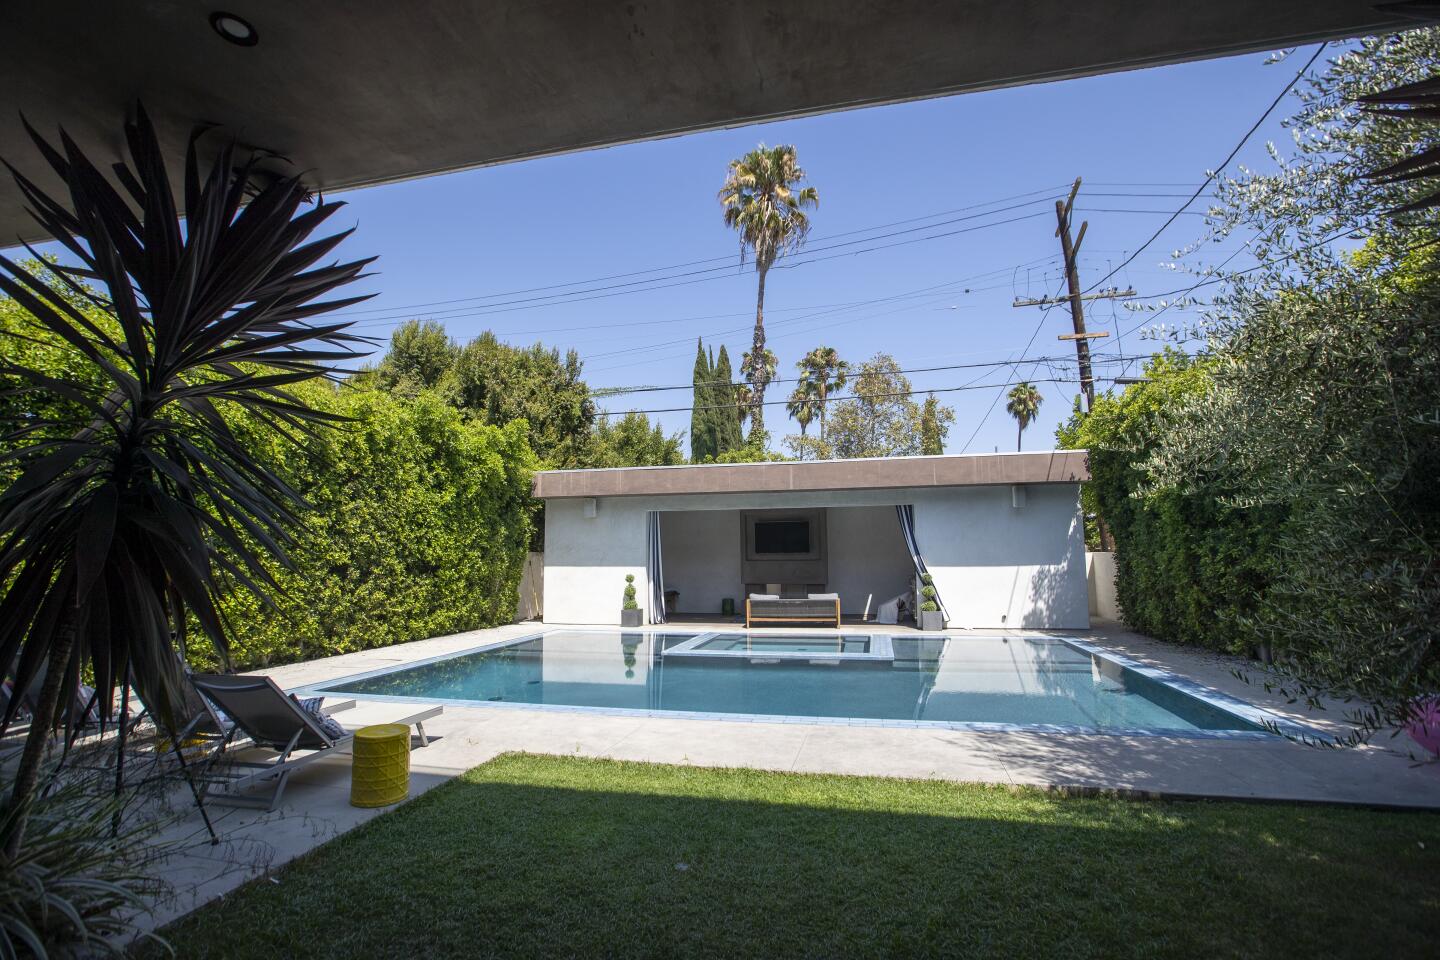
[{"x": 1211, "y": 175}]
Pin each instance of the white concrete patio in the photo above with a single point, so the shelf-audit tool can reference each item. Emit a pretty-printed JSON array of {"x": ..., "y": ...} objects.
[{"x": 316, "y": 807}]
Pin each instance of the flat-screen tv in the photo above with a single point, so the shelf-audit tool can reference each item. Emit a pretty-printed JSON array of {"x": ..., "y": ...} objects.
[{"x": 782, "y": 537}]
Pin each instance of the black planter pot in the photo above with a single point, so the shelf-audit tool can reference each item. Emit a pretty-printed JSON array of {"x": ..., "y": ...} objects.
[
  {"x": 932, "y": 620},
  {"x": 632, "y": 618}
]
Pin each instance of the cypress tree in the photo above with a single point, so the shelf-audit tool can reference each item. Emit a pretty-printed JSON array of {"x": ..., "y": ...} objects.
[
  {"x": 727, "y": 411},
  {"x": 702, "y": 446}
]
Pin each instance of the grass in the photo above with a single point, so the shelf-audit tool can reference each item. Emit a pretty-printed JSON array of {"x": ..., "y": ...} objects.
[{"x": 530, "y": 856}]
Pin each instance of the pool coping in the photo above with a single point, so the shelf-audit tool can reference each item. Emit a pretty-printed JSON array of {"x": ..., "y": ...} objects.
[{"x": 1274, "y": 727}]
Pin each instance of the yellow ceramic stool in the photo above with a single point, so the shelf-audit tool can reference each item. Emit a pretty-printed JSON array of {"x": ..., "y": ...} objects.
[{"x": 380, "y": 769}]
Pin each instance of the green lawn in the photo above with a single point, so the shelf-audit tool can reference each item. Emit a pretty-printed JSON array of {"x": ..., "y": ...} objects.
[{"x": 532, "y": 856}]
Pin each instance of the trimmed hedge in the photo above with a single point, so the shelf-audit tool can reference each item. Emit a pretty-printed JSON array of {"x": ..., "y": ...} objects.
[
  {"x": 419, "y": 528},
  {"x": 1189, "y": 569}
]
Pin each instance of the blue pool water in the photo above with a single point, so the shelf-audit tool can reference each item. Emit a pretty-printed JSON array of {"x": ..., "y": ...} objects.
[{"x": 914, "y": 678}]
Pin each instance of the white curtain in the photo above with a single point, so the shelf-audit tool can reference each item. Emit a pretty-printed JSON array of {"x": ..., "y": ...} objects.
[
  {"x": 906, "y": 513},
  {"x": 654, "y": 569}
]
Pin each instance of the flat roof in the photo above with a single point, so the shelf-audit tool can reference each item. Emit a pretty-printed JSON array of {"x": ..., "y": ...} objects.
[
  {"x": 372, "y": 91},
  {"x": 878, "y": 473}
]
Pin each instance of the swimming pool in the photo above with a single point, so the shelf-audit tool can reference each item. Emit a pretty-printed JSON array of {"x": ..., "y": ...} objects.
[{"x": 978, "y": 682}]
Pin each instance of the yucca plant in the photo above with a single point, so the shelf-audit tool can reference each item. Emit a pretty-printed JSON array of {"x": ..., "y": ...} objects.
[
  {"x": 76, "y": 883},
  {"x": 126, "y": 521},
  {"x": 1418, "y": 102}
]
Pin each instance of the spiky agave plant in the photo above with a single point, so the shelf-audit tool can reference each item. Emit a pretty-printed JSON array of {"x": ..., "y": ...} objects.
[{"x": 131, "y": 517}]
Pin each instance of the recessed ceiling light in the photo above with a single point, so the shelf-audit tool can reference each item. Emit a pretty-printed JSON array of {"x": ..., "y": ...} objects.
[{"x": 235, "y": 29}]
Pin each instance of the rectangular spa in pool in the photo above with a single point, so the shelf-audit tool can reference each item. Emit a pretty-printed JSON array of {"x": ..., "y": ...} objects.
[{"x": 915, "y": 679}]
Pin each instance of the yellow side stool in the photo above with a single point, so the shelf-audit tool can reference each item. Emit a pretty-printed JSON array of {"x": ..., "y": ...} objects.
[{"x": 380, "y": 769}]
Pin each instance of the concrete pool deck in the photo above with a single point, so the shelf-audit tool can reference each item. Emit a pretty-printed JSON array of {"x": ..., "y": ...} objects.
[{"x": 316, "y": 804}]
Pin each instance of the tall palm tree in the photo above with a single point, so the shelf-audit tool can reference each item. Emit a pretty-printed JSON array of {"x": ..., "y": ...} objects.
[
  {"x": 1024, "y": 406},
  {"x": 804, "y": 403},
  {"x": 824, "y": 368},
  {"x": 126, "y": 519},
  {"x": 759, "y": 370},
  {"x": 764, "y": 202}
]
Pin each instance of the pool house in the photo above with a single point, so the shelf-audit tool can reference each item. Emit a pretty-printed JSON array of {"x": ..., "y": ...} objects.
[{"x": 1001, "y": 535}]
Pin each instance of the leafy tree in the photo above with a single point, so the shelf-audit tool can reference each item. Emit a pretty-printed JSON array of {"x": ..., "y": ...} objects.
[
  {"x": 725, "y": 408},
  {"x": 756, "y": 449},
  {"x": 824, "y": 368},
  {"x": 764, "y": 202},
  {"x": 421, "y": 355},
  {"x": 879, "y": 419},
  {"x": 935, "y": 423},
  {"x": 1323, "y": 405},
  {"x": 114, "y": 538},
  {"x": 702, "y": 435},
  {"x": 1023, "y": 403},
  {"x": 633, "y": 441},
  {"x": 809, "y": 448},
  {"x": 1324, "y": 392},
  {"x": 497, "y": 383}
]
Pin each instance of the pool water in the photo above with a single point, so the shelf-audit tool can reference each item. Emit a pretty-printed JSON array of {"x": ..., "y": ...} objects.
[{"x": 915, "y": 678}]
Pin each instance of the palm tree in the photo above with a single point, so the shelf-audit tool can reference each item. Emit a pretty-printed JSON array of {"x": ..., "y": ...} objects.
[
  {"x": 823, "y": 367},
  {"x": 1024, "y": 406},
  {"x": 764, "y": 202},
  {"x": 126, "y": 520},
  {"x": 804, "y": 403},
  {"x": 758, "y": 373}
]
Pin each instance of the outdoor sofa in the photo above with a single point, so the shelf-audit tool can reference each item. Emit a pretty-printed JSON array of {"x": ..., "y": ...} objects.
[{"x": 813, "y": 608}]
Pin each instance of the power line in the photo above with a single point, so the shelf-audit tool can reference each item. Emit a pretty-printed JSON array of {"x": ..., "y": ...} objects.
[
  {"x": 729, "y": 260},
  {"x": 1214, "y": 173},
  {"x": 873, "y": 396},
  {"x": 537, "y": 302},
  {"x": 647, "y": 388},
  {"x": 1044, "y": 313},
  {"x": 398, "y": 311}
]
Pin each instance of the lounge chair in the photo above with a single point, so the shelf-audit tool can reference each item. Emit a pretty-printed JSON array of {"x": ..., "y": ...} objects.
[
  {"x": 769, "y": 608},
  {"x": 263, "y": 712},
  {"x": 273, "y": 720}
]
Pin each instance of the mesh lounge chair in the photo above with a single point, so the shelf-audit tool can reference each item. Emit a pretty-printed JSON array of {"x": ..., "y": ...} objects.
[{"x": 263, "y": 712}]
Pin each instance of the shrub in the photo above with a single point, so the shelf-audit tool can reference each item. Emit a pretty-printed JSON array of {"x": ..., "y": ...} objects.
[
  {"x": 630, "y": 603},
  {"x": 1190, "y": 568},
  {"x": 75, "y": 886},
  {"x": 928, "y": 592},
  {"x": 419, "y": 528}
]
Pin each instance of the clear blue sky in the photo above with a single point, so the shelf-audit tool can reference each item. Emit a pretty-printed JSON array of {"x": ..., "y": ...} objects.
[{"x": 482, "y": 234}]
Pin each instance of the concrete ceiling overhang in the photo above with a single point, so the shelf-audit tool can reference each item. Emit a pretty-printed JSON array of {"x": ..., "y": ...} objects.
[{"x": 368, "y": 91}]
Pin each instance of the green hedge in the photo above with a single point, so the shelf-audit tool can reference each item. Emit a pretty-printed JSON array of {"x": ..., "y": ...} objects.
[
  {"x": 1189, "y": 568},
  {"x": 419, "y": 528}
]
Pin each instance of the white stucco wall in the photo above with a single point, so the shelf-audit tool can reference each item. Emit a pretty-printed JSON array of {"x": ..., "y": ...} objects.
[
  {"x": 586, "y": 559},
  {"x": 994, "y": 564},
  {"x": 998, "y": 565}
]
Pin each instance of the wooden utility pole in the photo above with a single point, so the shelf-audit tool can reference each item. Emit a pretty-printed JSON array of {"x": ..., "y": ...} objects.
[
  {"x": 1070, "y": 248},
  {"x": 1072, "y": 280}
]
